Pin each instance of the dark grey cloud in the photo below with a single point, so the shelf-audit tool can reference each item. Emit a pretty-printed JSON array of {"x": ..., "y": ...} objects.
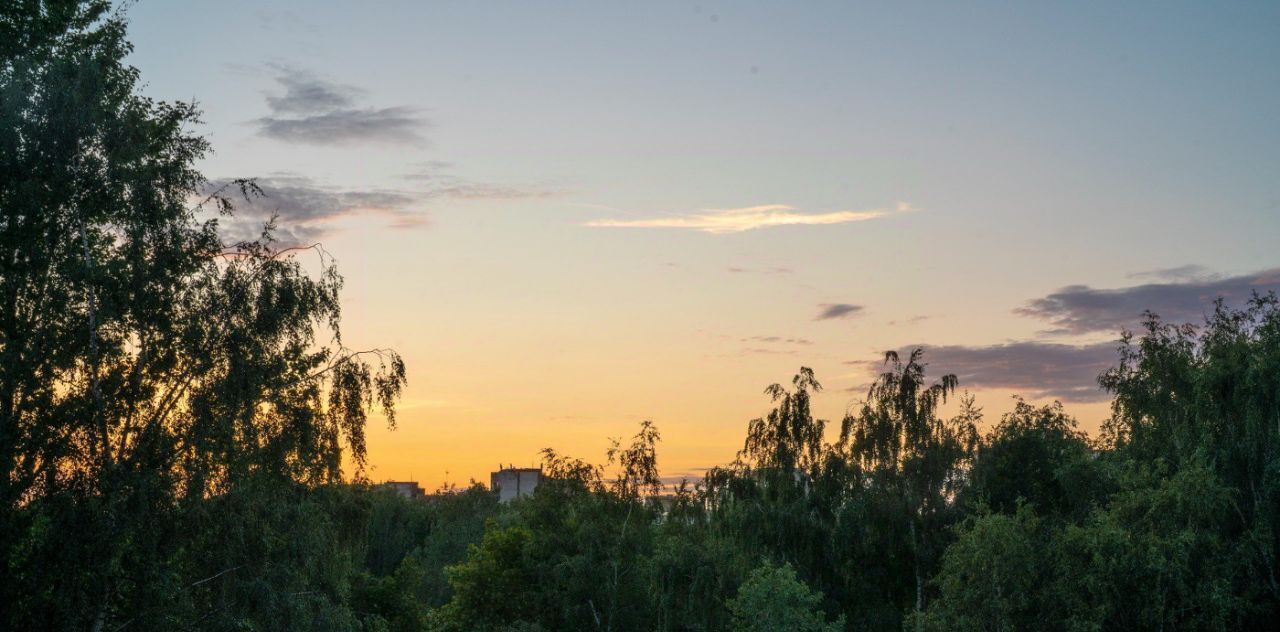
[
  {"x": 318, "y": 112},
  {"x": 1037, "y": 370},
  {"x": 828, "y": 311},
  {"x": 304, "y": 95},
  {"x": 341, "y": 127},
  {"x": 306, "y": 210},
  {"x": 1080, "y": 309}
]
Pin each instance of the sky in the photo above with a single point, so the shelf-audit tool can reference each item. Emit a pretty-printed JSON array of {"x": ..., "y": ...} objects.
[{"x": 571, "y": 217}]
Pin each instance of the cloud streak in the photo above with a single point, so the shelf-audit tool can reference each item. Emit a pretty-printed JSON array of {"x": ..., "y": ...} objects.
[
  {"x": 484, "y": 191},
  {"x": 778, "y": 340},
  {"x": 1080, "y": 309},
  {"x": 313, "y": 111},
  {"x": 306, "y": 210},
  {"x": 831, "y": 311},
  {"x": 1189, "y": 272},
  {"x": 773, "y": 270},
  {"x": 737, "y": 220},
  {"x": 395, "y": 125},
  {"x": 436, "y": 180},
  {"x": 1035, "y": 369}
]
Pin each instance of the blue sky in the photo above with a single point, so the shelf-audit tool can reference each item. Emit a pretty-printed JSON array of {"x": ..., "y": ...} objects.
[{"x": 460, "y": 150}]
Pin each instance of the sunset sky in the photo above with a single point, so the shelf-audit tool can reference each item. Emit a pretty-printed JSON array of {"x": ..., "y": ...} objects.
[{"x": 569, "y": 217}]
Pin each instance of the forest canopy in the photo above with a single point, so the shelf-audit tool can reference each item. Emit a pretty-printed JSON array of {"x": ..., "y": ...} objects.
[{"x": 182, "y": 442}]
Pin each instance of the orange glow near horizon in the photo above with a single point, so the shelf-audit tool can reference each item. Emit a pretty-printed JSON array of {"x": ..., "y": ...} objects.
[{"x": 564, "y": 235}]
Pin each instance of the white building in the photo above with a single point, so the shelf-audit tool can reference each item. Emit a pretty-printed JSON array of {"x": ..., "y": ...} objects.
[{"x": 514, "y": 482}]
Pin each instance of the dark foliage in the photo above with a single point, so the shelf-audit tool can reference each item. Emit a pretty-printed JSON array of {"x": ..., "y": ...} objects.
[{"x": 176, "y": 412}]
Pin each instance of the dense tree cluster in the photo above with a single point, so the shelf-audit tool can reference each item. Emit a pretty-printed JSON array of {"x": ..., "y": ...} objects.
[
  {"x": 165, "y": 398},
  {"x": 176, "y": 412},
  {"x": 911, "y": 520}
]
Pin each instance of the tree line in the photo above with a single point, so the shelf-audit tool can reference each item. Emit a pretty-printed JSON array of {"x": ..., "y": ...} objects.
[{"x": 175, "y": 413}]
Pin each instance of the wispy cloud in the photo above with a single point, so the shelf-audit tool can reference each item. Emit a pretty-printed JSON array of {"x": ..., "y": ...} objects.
[
  {"x": 778, "y": 340},
  {"x": 773, "y": 270},
  {"x": 306, "y": 210},
  {"x": 313, "y": 111},
  {"x": 829, "y": 311},
  {"x": 436, "y": 179},
  {"x": 910, "y": 321},
  {"x": 1034, "y": 369},
  {"x": 771, "y": 345},
  {"x": 483, "y": 191},
  {"x": 1080, "y": 309},
  {"x": 1189, "y": 272},
  {"x": 737, "y": 220}
]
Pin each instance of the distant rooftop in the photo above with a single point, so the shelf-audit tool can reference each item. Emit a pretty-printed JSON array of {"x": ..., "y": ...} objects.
[
  {"x": 513, "y": 482},
  {"x": 407, "y": 489}
]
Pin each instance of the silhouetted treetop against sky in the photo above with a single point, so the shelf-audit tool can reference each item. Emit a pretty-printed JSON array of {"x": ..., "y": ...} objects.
[
  {"x": 145, "y": 364},
  {"x": 582, "y": 224}
]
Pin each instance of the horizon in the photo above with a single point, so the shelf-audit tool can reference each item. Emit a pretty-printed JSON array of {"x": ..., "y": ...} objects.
[
  {"x": 580, "y": 221},
  {"x": 751, "y": 316}
]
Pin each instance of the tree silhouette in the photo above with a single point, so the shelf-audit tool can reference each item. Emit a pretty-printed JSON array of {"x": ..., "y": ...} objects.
[
  {"x": 144, "y": 364},
  {"x": 917, "y": 459}
]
